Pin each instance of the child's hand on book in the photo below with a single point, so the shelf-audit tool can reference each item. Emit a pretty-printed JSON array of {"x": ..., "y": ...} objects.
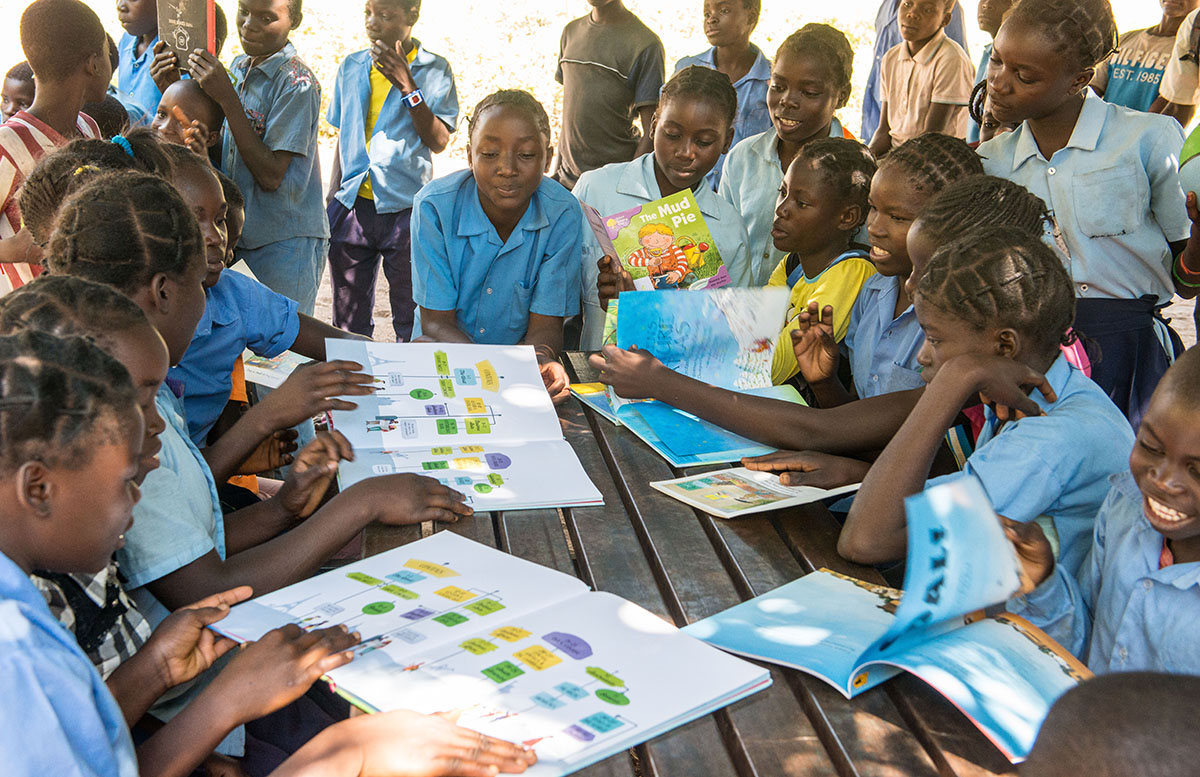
[
  {"x": 1033, "y": 550},
  {"x": 183, "y": 646},
  {"x": 313, "y": 389},
  {"x": 272, "y": 453},
  {"x": 406, "y": 744},
  {"x": 164, "y": 68},
  {"x": 406, "y": 498},
  {"x": 612, "y": 280},
  {"x": 630, "y": 372},
  {"x": 810, "y": 468},
  {"x": 554, "y": 376},
  {"x": 279, "y": 668},
  {"x": 312, "y": 472},
  {"x": 813, "y": 344}
]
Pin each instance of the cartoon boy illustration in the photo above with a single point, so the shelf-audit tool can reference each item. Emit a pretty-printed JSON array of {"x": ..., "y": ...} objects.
[{"x": 664, "y": 260}]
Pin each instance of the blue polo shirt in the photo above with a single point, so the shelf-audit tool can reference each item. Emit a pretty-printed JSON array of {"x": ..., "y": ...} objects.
[
  {"x": 282, "y": 99},
  {"x": 239, "y": 313},
  {"x": 1055, "y": 465},
  {"x": 62, "y": 720},
  {"x": 135, "y": 88},
  {"x": 882, "y": 349},
  {"x": 1123, "y": 613},
  {"x": 460, "y": 263},
  {"x": 753, "y": 116},
  {"x": 398, "y": 161}
]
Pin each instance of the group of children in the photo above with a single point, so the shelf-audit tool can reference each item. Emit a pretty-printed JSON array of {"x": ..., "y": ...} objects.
[{"x": 993, "y": 311}]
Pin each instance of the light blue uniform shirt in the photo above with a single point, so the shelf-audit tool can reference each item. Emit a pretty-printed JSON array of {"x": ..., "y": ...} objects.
[
  {"x": 1114, "y": 192},
  {"x": 398, "y": 161},
  {"x": 980, "y": 74},
  {"x": 239, "y": 313},
  {"x": 753, "y": 116},
  {"x": 624, "y": 185},
  {"x": 750, "y": 183},
  {"x": 135, "y": 88},
  {"x": 282, "y": 99},
  {"x": 1140, "y": 617},
  {"x": 882, "y": 349},
  {"x": 1056, "y": 465},
  {"x": 460, "y": 263},
  {"x": 887, "y": 35},
  {"x": 178, "y": 519},
  {"x": 60, "y": 718}
]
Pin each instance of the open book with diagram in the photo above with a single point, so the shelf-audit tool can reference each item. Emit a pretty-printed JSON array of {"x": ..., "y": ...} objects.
[
  {"x": 475, "y": 417},
  {"x": 1001, "y": 671},
  {"x": 528, "y": 654}
]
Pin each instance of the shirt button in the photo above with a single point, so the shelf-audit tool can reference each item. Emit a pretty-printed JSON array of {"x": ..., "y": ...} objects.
[
  {"x": 1084, "y": 287},
  {"x": 489, "y": 291},
  {"x": 481, "y": 331},
  {"x": 1147, "y": 584},
  {"x": 1051, "y": 171},
  {"x": 875, "y": 378},
  {"x": 1123, "y": 653}
]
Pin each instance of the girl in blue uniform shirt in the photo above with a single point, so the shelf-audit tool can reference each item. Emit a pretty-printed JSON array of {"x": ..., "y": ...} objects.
[
  {"x": 496, "y": 246},
  {"x": 1109, "y": 176}
]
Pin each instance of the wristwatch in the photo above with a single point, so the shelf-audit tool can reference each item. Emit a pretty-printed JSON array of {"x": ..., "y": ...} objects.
[{"x": 414, "y": 98}]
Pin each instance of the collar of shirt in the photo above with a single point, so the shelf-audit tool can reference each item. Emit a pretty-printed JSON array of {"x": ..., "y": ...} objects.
[
  {"x": 1149, "y": 541},
  {"x": 270, "y": 66},
  {"x": 927, "y": 52},
  {"x": 638, "y": 180},
  {"x": 759, "y": 71},
  {"x": 475, "y": 222},
  {"x": 219, "y": 310},
  {"x": 1084, "y": 137},
  {"x": 16, "y": 585}
]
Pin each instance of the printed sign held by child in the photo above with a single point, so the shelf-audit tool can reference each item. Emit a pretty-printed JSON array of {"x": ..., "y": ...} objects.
[{"x": 664, "y": 244}]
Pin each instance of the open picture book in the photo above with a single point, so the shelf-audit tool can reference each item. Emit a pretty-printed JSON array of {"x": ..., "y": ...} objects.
[
  {"x": 529, "y": 655},
  {"x": 729, "y": 493},
  {"x": 475, "y": 417},
  {"x": 725, "y": 337},
  {"x": 999, "y": 670}
]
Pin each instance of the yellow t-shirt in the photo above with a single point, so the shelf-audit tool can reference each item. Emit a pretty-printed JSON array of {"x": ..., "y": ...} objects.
[
  {"x": 380, "y": 87},
  {"x": 838, "y": 285}
]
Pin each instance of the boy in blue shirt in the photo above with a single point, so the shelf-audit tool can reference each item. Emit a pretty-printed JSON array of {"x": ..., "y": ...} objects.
[
  {"x": 271, "y": 112},
  {"x": 135, "y": 87},
  {"x": 396, "y": 106}
]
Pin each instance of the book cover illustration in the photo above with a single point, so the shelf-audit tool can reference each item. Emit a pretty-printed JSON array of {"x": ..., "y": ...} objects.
[
  {"x": 271, "y": 371},
  {"x": 187, "y": 25},
  {"x": 663, "y": 244},
  {"x": 729, "y": 493}
]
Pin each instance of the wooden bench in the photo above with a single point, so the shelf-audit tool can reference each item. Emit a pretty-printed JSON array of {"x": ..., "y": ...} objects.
[{"x": 685, "y": 565}]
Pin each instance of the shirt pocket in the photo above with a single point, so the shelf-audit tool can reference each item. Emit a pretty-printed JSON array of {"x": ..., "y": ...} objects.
[
  {"x": 518, "y": 311},
  {"x": 1111, "y": 201}
]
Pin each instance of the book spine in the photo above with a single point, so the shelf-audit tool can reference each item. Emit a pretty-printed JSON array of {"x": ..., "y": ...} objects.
[{"x": 210, "y": 27}]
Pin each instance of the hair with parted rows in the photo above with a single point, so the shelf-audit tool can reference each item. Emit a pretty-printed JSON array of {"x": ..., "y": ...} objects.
[
  {"x": 999, "y": 277},
  {"x": 64, "y": 306},
  {"x": 58, "y": 36},
  {"x": 124, "y": 228},
  {"x": 701, "y": 83},
  {"x": 979, "y": 201},
  {"x": 109, "y": 114},
  {"x": 518, "y": 100},
  {"x": 58, "y": 397},
  {"x": 75, "y": 165},
  {"x": 933, "y": 161},
  {"x": 975, "y": 102},
  {"x": 828, "y": 44},
  {"x": 20, "y": 72},
  {"x": 1083, "y": 31},
  {"x": 845, "y": 165}
]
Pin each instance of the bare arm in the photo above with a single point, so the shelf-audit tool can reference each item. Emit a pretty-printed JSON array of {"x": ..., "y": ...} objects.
[
  {"x": 938, "y": 118},
  {"x": 394, "y": 66},
  {"x": 20, "y": 249},
  {"x": 545, "y": 334},
  {"x": 441, "y": 326},
  {"x": 881, "y": 141},
  {"x": 310, "y": 340},
  {"x": 1181, "y": 113},
  {"x": 335, "y": 172}
]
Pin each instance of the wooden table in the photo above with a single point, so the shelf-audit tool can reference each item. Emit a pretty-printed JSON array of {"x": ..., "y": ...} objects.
[{"x": 684, "y": 565}]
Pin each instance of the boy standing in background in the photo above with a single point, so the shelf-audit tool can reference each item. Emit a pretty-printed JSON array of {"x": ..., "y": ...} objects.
[
  {"x": 135, "y": 87},
  {"x": 395, "y": 105},
  {"x": 610, "y": 65},
  {"x": 1131, "y": 74}
]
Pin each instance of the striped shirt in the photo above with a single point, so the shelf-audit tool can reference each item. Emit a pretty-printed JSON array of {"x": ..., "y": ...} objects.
[{"x": 24, "y": 140}]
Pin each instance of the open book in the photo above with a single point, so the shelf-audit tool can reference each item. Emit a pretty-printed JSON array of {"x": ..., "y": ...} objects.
[
  {"x": 475, "y": 417},
  {"x": 728, "y": 493},
  {"x": 528, "y": 653},
  {"x": 663, "y": 244},
  {"x": 1000, "y": 671}
]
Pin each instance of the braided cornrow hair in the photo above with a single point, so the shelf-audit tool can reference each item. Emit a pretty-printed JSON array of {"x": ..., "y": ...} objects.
[
  {"x": 933, "y": 161},
  {"x": 1083, "y": 30},
  {"x": 975, "y": 102},
  {"x": 845, "y": 165},
  {"x": 1000, "y": 277},
  {"x": 124, "y": 228},
  {"x": 66, "y": 306},
  {"x": 59, "y": 174},
  {"x": 983, "y": 201},
  {"x": 828, "y": 44},
  {"x": 517, "y": 99},
  {"x": 702, "y": 83},
  {"x": 56, "y": 395}
]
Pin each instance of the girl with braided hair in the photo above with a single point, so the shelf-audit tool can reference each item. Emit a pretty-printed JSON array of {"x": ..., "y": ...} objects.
[
  {"x": 995, "y": 306},
  {"x": 1110, "y": 178}
]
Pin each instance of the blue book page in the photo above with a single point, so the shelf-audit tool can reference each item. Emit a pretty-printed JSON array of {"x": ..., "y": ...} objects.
[
  {"x": 819, "y": 624},
  {"x": 724, "y": 337},
  {"x": 959, "y": 561},
  {"x": 1001, "y": 672}
]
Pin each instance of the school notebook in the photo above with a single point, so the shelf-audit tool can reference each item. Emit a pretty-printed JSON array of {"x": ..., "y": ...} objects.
[
  {"x": 663, "y": 244},
  {"x": 529, "y": 654},
  {"x": 475, "y": 417},
  {"x": 187, "y": 25},
  {"x": 728, "y": 493},
  {"x": 1000, "y": 671}
]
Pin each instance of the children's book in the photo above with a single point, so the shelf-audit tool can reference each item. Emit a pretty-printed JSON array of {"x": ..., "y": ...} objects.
[
  {"x": 475, "y": 417},
  {"x": 728, "y": 493},
  {"x": 528, "y": 654},
  {"x": 187, "y": 25},
  {"x": 270, "y": 372},
  {"x": 663, "y": 244},
  {"x": 1000, "y": 671}
]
